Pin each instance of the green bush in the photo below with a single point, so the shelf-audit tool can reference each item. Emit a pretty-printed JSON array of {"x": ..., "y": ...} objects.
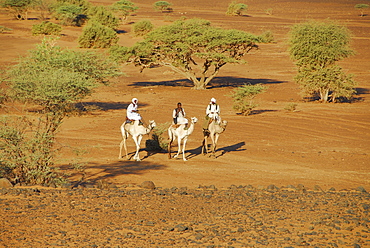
[
  {"x": 243, "y": 97},
  {"x": 158, "y": 142},
  {"x": 142, "y": 27},
  {"x": 46, "y": 28},
  {"x": 96, "y": 35},
  {"x": 236, "y": 9},
  {"x": 102, "y": 15}
]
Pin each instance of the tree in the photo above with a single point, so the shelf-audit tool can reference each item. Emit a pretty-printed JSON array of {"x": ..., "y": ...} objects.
[
  {"x": 189, "y": 47},
  {"x": 163, "y": 6},
  {"x": 53, "y": 79},
  {"x": 45, "y": 7},
  {"x": 124, "y": 7},
  {"x": 70, "y": 15},
  {"x": 19, "y": 8},
  {"x": 316, "y": 47},
  {"x": 236, "y": 9},
  {"x": 96, "y": 35},
  {"x": 361, "y": 7},
  {"x": 243, "y": 97},
  {"x": 100, "y": 14}
]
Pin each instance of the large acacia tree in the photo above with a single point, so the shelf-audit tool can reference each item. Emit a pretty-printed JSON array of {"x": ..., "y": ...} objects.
[
  {"x": 316, "y": 47},
  {"x": 190, "y": 47}
]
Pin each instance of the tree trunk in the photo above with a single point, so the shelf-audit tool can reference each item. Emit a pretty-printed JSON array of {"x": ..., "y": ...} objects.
[{"x": 324, "y": 94}]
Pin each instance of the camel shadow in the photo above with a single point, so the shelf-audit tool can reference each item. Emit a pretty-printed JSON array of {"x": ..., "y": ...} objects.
[{"x": 233, "y": 148}]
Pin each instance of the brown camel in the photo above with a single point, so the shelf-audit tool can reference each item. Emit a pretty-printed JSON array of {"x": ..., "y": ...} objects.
[{"x": 214, "y": 131}]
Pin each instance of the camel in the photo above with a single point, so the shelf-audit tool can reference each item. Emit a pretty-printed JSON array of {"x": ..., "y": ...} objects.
[
  {"x": 136, "y": 131},
  {"x": 182, "y": 135},
  {"x": 214, "y": 131}
]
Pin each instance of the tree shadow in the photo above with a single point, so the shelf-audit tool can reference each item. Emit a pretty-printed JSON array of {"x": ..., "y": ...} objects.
[
  {"x": 108, "y": 171},
  {"x": 121, "y": 31},
  {"x": 217, "y": 82},
  {"x": 103, "y": 106},
  {"x": 259, "y": 111}
]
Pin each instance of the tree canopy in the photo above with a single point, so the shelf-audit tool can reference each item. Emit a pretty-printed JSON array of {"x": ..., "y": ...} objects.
[
  {"x": 316, "y": 47},
  {"x": 190, "y": 47}
]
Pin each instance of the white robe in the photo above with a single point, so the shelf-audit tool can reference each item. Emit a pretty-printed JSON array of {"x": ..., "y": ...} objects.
[
  {"x": 131, "y": 114},
  {"x": 180, "y": 117},
  {"x": 213, "y": 111}
]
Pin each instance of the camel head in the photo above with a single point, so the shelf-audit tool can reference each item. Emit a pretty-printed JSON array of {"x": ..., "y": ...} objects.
[
  {"x": 152, "y": 124},
  {"x": 194, "y": 119}
]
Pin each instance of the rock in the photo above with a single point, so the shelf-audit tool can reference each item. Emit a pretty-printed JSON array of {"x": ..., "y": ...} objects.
[
  {"x": 5, "y": 183},
  {"x": 147, "y": 185},
  {"x": 361, "y": 189}
]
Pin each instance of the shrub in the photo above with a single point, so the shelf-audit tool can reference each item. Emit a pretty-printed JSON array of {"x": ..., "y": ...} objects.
[
  {"x": 102, "y": 15},
  {"x": 243, "y": 97},
  {"x": 236, "y": 9},
  {"x": 142, "y": 27},
  {"x": 158, "y": 142},
  {"x": 46, "y": 28},
  {"x": 163, "y": 6},
  {"x": 96, "y": 35},
  {"x": 4, "y": 29}
]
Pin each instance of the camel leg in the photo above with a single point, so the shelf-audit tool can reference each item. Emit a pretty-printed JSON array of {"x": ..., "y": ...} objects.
[
  {"x": 170, "y": 143},
  {"x": 204, "y": 145},
  {"x": 183, "y": 148},
  {"x": 215, "y": 143},
  {"x": 137, "y": 140},
  {"x": 179, "y": 147},
  {"x": 120, "y": 150}
]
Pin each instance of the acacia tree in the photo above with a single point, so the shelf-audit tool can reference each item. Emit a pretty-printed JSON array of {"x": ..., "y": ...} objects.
[
  {"x": 124, "y": 8},
  {"x": 191, "y": 47},
  {"x": 316, "y": 47},
  {"x": 54, "y": 80},
  {"x": 236, "y": 9},
  {"x": 19, "y": 8}
]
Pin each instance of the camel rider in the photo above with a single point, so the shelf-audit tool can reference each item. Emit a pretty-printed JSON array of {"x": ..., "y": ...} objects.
[
  {"x": 179, "y": 114},
  {"x": 212, "y": 113},
  {"x": 132, "y": 112}
]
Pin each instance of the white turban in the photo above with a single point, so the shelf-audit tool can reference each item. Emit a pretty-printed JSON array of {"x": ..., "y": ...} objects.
[
  {"x": 134, "y": 99},
  {"x": 213, "y": 100}
]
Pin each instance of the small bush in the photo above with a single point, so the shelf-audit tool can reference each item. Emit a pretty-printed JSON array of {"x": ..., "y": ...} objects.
[
  {"x": 361, "y": 7},
  {"x": 4, "y": 29},
  {"x": 236, "y": 9},
  {"x": 70, "y": 15},
  {"x": 243, "y": 97},
  {"x": 158, "y": 142},
  {"x": 46, "y": 28},
  {"x": 96, "y": 35},
  {"x": 267, "y": 37},
  {"x": 142, "y": 27},
  {"x": 102, "y": 15},
  {"x": 291, "y": 107}
]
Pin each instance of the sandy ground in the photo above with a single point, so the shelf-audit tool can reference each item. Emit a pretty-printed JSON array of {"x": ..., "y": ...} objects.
[{"x": 318, "y": 144}]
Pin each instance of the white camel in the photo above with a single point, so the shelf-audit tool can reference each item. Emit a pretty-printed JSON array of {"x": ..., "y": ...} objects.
[
  {"x": 182, "y": 134},
  {"x": 214, "y": 131},
  {"x": 136, "y": 131}
]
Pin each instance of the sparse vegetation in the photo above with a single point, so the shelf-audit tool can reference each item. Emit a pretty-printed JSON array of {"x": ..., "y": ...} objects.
[
  {"x": 54, "y": 80},
  {"x": 316, "y": 47},
  {"x": 243, "y": 97},
  {"x": 163, "y": 6},
  {"x": 4, "y": 29},
  {"x": 236, "y": 9},
  {"x": 362, "y": 8},
  {"x": 142, "y": 27},
  {"x": 19, "y": 8},
  {"x": 291, "y": 107},
  {"x": 269, "y": 11},
  {"x": 46, "y": 28}
]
